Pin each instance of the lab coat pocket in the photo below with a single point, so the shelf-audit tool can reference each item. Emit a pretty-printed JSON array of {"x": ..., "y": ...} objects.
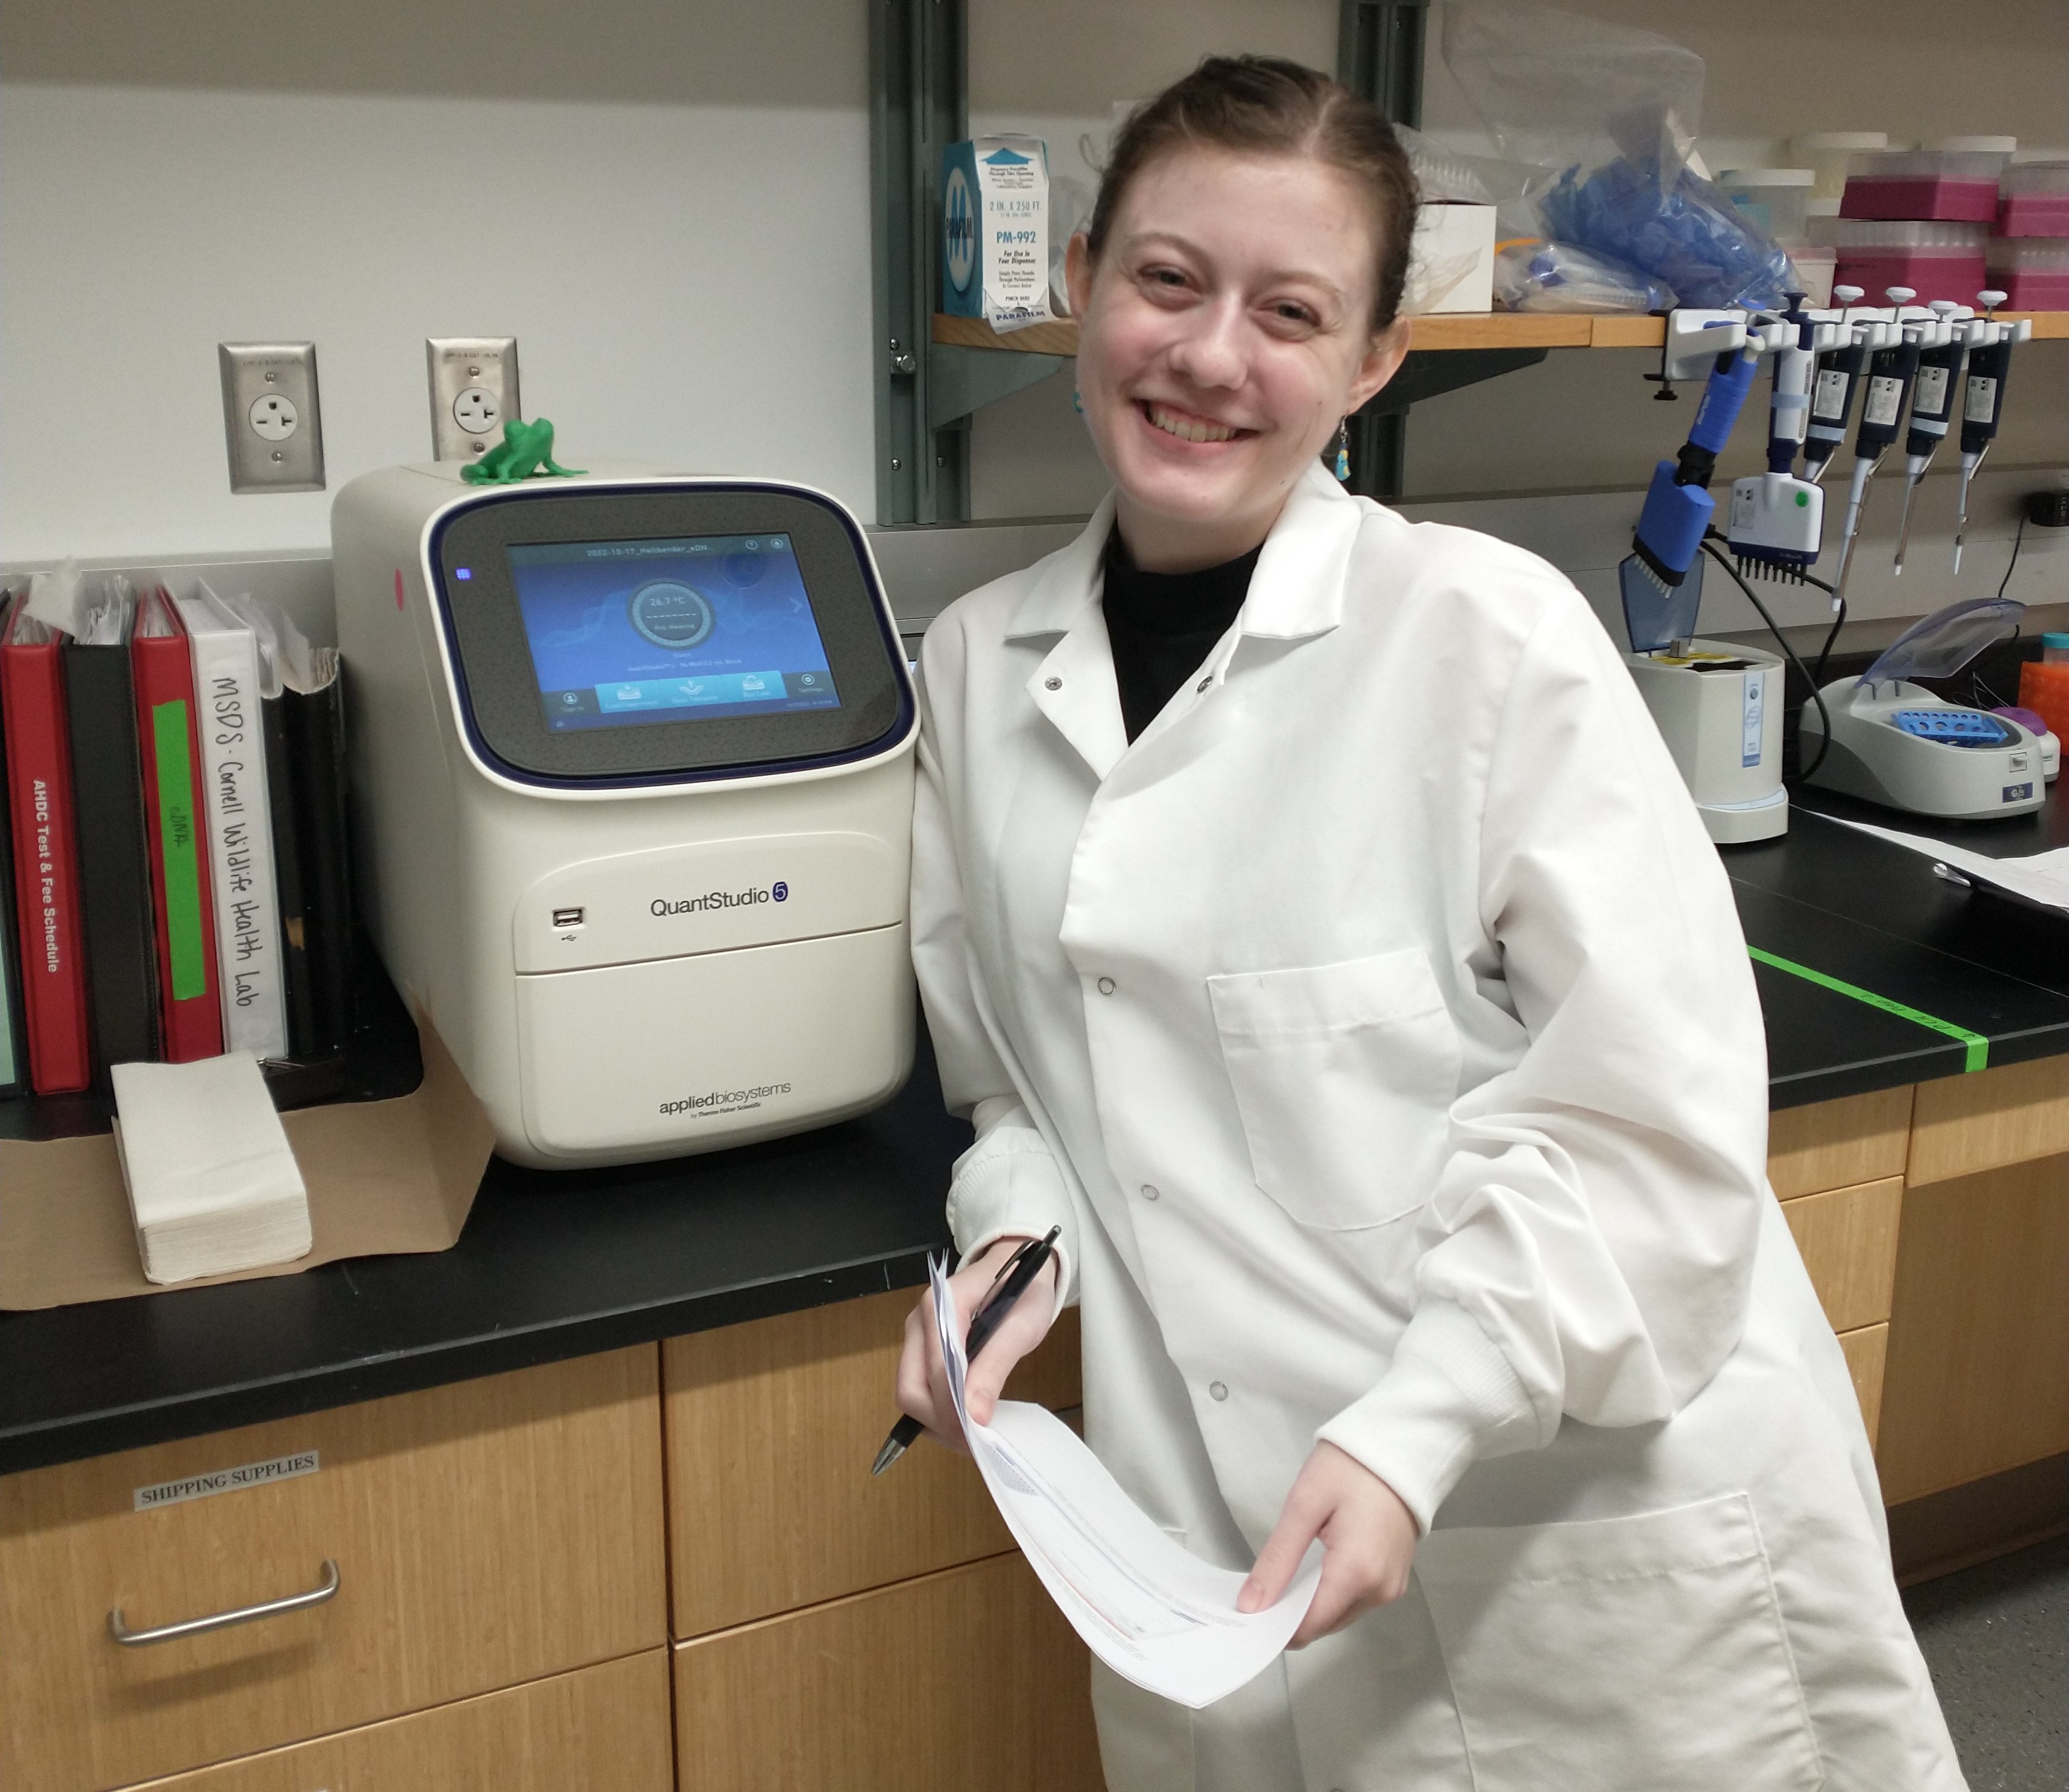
[
  {"x": 1622, "y": 1654},
  {"x": 1344, "y": 1077}
]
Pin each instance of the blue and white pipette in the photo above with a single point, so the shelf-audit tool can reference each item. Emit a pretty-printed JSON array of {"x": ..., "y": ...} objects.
[{"x": 1661, "y": 578}]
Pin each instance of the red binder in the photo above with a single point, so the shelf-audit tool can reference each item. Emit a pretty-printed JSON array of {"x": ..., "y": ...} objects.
[
  {"x": 46, "y": 868},
  {"x": 169, "y": 742}
]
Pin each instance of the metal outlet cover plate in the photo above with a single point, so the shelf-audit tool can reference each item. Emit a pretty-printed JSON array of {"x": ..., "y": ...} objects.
[
  {"x": 474, "y": 393},
  {"x": 272, "y": 423}
]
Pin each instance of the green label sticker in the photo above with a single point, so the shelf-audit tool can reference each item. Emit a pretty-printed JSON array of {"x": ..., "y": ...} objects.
[
  {"x": 179, "y": 845},
  {"x": 1978, "y": 1047}
]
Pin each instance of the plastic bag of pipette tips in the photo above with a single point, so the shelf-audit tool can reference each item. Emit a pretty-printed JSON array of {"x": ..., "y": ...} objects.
[
  {"x": 1532, "y": 274},
  {"x": 1613, "y": 112}
]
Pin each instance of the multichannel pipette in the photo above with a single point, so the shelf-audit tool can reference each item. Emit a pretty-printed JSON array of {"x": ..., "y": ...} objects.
[
  {"x": 1661, "y": 577},
  {"x": 1982, "y": 400},
  {"x": 1777, "y": 521},
  {"x": 1889, "y": 373},
  {"x": 1932, "y": 403}
]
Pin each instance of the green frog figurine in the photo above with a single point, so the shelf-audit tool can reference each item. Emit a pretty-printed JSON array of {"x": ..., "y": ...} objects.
[{"x": 525, "y": 452}]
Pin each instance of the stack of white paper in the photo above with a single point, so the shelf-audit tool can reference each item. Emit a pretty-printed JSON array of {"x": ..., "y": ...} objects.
[
  {"x": 1150, "y": 1609},
  {"x": 2038, "y": 877},
  {"x": 213, "y": 1182}
]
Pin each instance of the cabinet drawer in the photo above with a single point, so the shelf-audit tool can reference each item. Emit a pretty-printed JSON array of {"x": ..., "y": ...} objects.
[
  {"x": 1857, "y": 1138},
  {"x": 605, "y": 1729},
  {"x": 966, "y": 1678},
  {"x": 1848, "y": 1239},
  {"x": 2009, "y": 1115},
  {"x": 1867, "y": 1353},
  {"x": 484, "y": 1534},
  {"x": 771, "y": 1429}
]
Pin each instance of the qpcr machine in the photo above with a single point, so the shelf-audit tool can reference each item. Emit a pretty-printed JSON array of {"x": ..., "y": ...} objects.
[{"x": 632, "y": 763}]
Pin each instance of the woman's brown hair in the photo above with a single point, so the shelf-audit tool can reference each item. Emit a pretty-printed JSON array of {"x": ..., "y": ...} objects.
[{"x": 1266, "y": 104}]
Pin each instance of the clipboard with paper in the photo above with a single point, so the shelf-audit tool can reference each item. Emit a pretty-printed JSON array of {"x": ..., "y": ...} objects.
[{"x": 1145, "y": 1606}]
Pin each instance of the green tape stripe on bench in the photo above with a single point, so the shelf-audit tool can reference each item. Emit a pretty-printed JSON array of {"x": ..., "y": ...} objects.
[{"x": 1978, "y": 1047}]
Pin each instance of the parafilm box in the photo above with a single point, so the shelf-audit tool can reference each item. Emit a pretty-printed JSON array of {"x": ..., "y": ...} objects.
[{"x": 995, "y": 231}]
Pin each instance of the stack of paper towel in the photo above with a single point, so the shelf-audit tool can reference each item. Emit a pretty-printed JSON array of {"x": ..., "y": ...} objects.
[{"x": 213, "y": 1182}]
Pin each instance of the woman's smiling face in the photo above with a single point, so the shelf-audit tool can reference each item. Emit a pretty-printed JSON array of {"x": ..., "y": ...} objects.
[{"x": 1226, "y": 327}]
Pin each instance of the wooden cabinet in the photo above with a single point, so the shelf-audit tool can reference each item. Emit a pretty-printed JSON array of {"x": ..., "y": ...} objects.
[
  {"x": 1978, "y": 1375},
  {"x": 970, "y": 1677},
  {"x": 1837, "y": 1168},
  {"x": 605, "y": 1728},
  {"x": 771, "y": 1429},
  {"x": 485, "y": 1533}
]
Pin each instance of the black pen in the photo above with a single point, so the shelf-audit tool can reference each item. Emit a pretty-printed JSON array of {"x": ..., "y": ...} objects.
[{"x": 1020, "y": 1269}]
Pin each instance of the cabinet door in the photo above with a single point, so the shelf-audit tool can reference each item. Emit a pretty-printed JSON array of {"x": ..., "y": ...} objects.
[
  {"x": 1978, "y": 1374},
  {"x": 486, "y": 1532},
  {"x": 771, "y": 1426},
  {"x": 605, "y": 1729},
  {"x": 966, "y": 1678}
]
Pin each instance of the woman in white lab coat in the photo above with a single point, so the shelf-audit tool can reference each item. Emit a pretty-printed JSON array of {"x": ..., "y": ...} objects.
[{"x": 1364, "y": 1002}]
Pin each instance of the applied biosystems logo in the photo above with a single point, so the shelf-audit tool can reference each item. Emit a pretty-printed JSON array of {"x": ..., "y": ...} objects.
[
  {"x": 724, "y": 1101},
  {"x": 750, "y": 898},
  {"x": 959, "y": 230}
]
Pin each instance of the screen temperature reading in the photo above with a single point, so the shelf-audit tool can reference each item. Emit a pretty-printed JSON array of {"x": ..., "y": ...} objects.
[{"x": 624, "y": 632}]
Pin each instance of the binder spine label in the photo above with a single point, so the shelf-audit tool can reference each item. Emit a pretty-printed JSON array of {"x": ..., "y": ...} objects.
[
  {"x": 176, "y": 833},
  {"x": 247, "y": 943}
]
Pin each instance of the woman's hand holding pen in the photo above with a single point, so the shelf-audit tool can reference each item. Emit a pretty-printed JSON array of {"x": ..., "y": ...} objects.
[
  {"x": 1369, "y": 1534},
  {"x": 923, "y": 1377}
]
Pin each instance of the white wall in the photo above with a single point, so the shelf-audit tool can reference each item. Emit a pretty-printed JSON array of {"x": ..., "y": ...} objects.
[{"x": 687, "y": 277}]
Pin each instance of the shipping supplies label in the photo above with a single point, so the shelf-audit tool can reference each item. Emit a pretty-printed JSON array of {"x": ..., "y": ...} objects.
[{"x": 225, "y": 1480}]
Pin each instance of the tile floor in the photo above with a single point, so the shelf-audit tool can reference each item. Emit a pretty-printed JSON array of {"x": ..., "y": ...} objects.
[{"x": 1997, "y": 1639}]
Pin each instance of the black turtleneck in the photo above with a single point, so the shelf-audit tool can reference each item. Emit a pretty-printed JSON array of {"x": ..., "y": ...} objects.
[{"x": 1162, "y": 625}]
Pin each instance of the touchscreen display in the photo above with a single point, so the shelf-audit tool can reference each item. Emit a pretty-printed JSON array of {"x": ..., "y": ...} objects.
[{"x": 623, "y": 632}]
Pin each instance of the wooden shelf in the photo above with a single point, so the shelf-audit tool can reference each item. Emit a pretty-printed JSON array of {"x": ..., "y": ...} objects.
[{"x": 1486, "y": 330}]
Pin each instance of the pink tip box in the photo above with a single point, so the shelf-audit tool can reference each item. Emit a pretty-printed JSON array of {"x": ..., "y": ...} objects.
[{"x": 1955, "y": 186}]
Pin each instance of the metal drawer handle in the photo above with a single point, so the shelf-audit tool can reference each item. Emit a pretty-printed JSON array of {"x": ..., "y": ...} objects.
[{"x": 223, "y": 1620}]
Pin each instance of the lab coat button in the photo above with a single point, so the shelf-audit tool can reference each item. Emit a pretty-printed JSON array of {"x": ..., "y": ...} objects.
[
  {"x": 1149, "y": 1192},
  {"x": 1219, "y": 1390},
  {"x": 1205, "y": 682},
  {"x": 1106, "y": 986},
  {"x": 1052, "y": 684}
]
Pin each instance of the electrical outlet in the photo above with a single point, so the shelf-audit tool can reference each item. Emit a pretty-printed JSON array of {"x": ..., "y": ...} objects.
[
  {"x": 270, "y": 416},
  {"x": 474, "y": 393}
]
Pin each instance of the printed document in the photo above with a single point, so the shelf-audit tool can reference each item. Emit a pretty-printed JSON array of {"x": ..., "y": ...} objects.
[
  {"x": 2038, "y": 877},
  {"x": 1148, "y": 1608}
]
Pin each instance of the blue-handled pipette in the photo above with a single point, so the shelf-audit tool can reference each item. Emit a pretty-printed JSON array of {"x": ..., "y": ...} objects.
[{"x": 1661, "y": 578}]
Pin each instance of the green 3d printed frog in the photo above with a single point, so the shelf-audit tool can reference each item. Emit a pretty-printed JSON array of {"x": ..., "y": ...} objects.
[{"x": 525, "y": 452}]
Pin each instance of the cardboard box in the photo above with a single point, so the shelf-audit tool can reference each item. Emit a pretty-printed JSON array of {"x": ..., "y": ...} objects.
[{"x": 383, "y": 1177}]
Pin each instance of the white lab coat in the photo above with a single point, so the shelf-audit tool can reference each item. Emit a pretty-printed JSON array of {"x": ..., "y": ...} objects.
[{"x": 1378, "y": 1029}]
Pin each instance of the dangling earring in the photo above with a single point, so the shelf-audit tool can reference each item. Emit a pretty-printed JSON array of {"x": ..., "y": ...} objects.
[
  {"x": 1344, "y": 451},
  {"x": 1077, "y": 401}
]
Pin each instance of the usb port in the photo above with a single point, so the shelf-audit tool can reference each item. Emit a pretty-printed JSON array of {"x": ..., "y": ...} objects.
[{"x": 567, "y": 918}]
